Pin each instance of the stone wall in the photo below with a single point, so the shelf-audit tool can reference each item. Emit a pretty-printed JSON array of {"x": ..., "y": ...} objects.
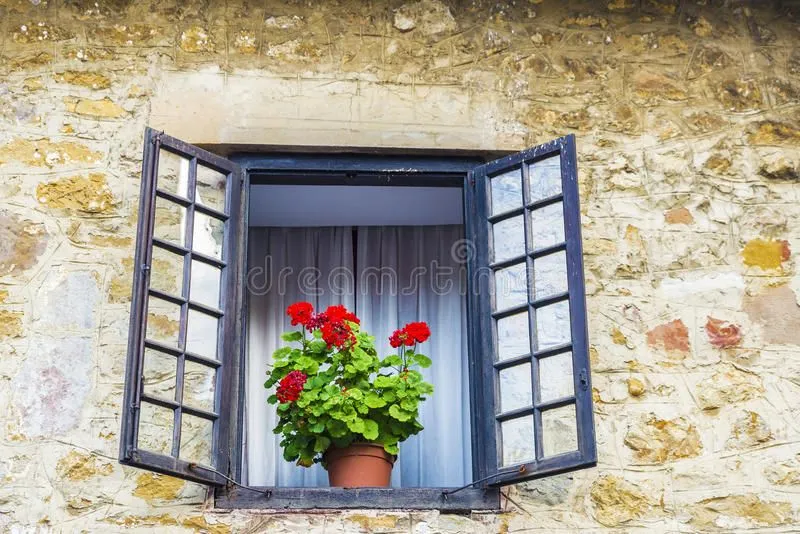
[{"x": 688, "y": 124}]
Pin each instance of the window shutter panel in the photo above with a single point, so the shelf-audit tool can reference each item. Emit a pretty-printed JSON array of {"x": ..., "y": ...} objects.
[
  {"x": 180, "y": 401},
  {"x": 530, "y": 329}
]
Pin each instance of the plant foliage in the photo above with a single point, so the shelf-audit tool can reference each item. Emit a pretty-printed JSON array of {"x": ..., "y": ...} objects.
[{"x": 333, "y": 389}]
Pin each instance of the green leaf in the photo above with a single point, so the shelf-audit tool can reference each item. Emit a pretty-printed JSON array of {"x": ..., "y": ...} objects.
[
  {"x": 409, "y": 404},
  {"x": 321, "y": 444},
  {"x": 317, "y": 428},
  {"x": 370, "y": 429},
  {"x": 382, "y": 381},
  {"x": 392, "y": 448},
  {"x": 374, "y": 401},
  {"x": 336, "y": 428},
  {"x": 393, "y": 360},
  {"x": 296, "y": 335},
  {"x": 422, "y": 360},
  {"x": 317, "y": 346},
  {"x": 425, "y": 388},
  {"x": 272, "y": 399},
  {"x": 356, "y": 425},
  {"x": 399, "y": 414}
]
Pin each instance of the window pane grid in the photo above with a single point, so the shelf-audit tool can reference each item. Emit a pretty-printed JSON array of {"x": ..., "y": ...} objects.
[
  {"x": 529, "y": 207},
  {"x": 544, "y": 251},
  {"x": 183, "y": 250},
  {"x": 185, "y": 202},
  {"x": 532, "y": 329},
  {"x": 186, "y": 250},
  {"x": 544, "y": 271},
  {"x": 187, "y": 280}
]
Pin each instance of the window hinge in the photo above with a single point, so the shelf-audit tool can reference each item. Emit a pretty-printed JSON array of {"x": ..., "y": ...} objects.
[
  {"x": 145, "y": 268},
  {"x": 156, "y": 139},
  {"x": 584, "y": 379}
]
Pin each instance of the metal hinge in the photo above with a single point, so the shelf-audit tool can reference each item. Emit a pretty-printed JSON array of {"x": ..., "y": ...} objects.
[
  {"x": 145, "y": 268},
  {"x": 156, "y": 139},
  {"x": 583, "y": 378}
]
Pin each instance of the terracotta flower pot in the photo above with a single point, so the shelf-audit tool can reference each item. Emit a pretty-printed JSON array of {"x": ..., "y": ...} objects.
[{"x": 359, "y": 465}]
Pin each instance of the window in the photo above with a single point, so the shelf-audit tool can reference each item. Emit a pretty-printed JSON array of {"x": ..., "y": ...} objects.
[{"x": 530, "y": 412}]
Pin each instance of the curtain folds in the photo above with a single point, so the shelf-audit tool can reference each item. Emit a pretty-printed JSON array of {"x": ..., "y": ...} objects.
[{"x": 390, "y": 276}]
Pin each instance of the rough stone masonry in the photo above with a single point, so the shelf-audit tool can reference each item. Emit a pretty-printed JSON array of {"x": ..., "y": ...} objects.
[{"x": 687, "y": 116}]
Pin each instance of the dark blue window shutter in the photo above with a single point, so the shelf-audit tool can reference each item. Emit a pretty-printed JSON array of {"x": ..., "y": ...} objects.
[
  {"x": 180, "y": 400},
  {"x": 530, "y": 329}
]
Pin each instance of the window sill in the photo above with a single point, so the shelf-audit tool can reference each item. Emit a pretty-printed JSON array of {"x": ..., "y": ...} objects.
[{"x": 466, "y": 500}]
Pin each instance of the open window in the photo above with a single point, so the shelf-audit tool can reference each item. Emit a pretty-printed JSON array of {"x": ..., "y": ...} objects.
[{"x": 513, "y": 228}]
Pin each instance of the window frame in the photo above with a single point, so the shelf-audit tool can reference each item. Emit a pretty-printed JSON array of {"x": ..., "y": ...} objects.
[
  {"x": 356, "y": 170},
  {"x": 435, "y": 168}
]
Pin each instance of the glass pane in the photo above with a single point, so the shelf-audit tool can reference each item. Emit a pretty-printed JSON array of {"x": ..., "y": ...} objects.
[
  {"x": 547, "y": 226},
  {"x": 163, "y": 321},
  {"x": 198, "y": 386},
  {"x": 559, "y": 431},
  {"x": 506, "y": 191},
  {"x": 196, "y": 439},
  {"x": 159, "y": 374},
  {"x": 510, "y": 286},
  {"x": 205, "y": 286},
  {"x": 518, "y": 443},
  {"x": 170, "y": 222},
  {"x": 173, "y": 173},
  {"x": 201, "y": 334},
  {"x": 552, "y": 325},
  {"x": 208, "y": 235},
  {"x": 550, "y": 275},
  {"x": 508, "y": 238},
  {"x": 515, "y": 387},
  {"x": 166, "y": 272},
  {"x": 513, "y": 338},
  {"x": 155, "y": 428},
  {"x": 210, "y": 190},
  {"x": 544, "y": 178},
  {"x": 555, "y": 377}
]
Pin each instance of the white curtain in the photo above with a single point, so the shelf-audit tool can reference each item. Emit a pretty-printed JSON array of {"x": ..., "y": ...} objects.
[
  {"x": 411, "y": 273},
  {"x": 286, "y": 265},
  {"x": 401, "y": 274}
]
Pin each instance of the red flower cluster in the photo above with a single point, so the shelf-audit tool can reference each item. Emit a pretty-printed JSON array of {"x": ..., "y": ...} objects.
[
  {"x": 332, "y": 323},
  {"x": 339, "y": 313},
  {"x": 337, "y": 334},
  {"x": 300, "y": 312},
  {"x": 290, "y": 386},
  {"x": 410, "y": 334}
]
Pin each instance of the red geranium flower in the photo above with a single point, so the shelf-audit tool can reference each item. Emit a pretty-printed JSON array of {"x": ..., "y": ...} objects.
[
  {"x": 418, "y": 331},
  {"x": 397, "y": 338},
  {"x": 339, "y": 313},
  {"x": 300, "y": 312},
  {"x": 337, "y": 334},
  {"x": 290, "y": 387},
  {"x": 410, "y": 334}
]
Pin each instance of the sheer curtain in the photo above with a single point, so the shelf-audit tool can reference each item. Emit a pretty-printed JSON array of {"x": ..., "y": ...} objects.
[
  {"x": 286, "y": 265},
  {"x": 401, "y": 274},
  {"x": 410, "y": 273}
]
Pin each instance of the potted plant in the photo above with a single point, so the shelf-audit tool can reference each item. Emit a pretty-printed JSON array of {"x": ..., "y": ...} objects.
[{"x": 339, "y": 403}]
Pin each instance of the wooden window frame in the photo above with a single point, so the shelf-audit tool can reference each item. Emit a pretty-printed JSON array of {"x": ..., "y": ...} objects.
[
  {"x": 469, "y": 174},
  {"x": 356, "y": 170}
]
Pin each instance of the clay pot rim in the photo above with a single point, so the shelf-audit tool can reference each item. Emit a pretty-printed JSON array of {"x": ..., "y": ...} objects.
[{"x": 376, "y": 448}]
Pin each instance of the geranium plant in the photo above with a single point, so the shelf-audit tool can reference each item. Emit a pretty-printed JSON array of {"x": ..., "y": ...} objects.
[{"x": 333, "y": 389}]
